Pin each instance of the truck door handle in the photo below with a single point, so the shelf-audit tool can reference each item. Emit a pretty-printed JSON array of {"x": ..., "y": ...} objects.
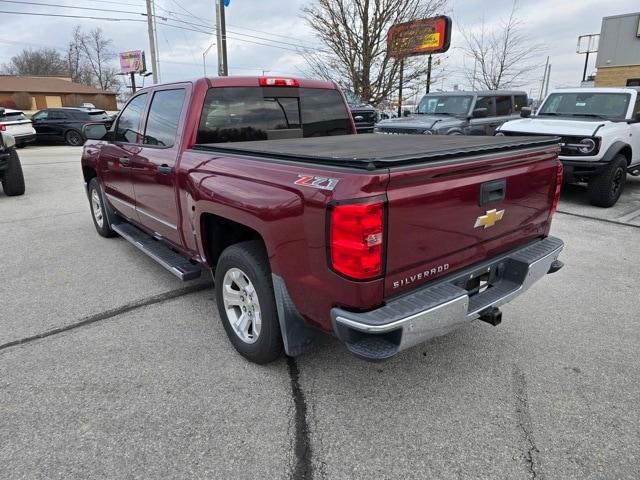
[
  {"x": 164, "y": 169},
  {"x": 124, "y": 161},
  {"x": 494, "y": 191}
]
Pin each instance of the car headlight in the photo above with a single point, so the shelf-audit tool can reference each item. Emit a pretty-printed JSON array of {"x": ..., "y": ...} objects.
[{"x": 587, "y": 145}]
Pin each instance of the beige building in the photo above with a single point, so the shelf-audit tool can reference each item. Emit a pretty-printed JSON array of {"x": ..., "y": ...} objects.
[
  {"x": 36, "y": 93},
  {"x": 618, "y": 61}
]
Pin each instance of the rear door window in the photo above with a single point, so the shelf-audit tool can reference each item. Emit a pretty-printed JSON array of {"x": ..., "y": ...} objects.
[
  {"x": 128, "y": 129},
  {"x": 164, "y": 115},
  {"x": 57, "y": 115},
  {"x": 519, "y": 101},
  {"x": 503, "y": 106}
]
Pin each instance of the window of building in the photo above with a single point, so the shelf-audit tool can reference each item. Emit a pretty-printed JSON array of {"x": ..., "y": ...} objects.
[
  {"x": 128, "y": 129},
  {"x": 633, "y": 82},
  {"x": 164, "y": 115}
]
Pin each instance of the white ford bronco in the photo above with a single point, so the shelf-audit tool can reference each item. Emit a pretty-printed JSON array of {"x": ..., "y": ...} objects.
[{"x": 600, "y": 136}]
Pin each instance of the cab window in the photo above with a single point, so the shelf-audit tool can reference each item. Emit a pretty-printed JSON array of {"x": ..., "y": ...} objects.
[
  {"x": 486, "y": 102},
  {"x": 128, "y": 128}
]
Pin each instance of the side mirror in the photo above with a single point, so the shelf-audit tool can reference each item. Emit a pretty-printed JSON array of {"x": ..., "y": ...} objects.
[
  {"x": 94, "y": 131},
  {"x": 525, "y": 112},
  {"x": 480, "y": 113},
  {"x": 8, "y": 140}
]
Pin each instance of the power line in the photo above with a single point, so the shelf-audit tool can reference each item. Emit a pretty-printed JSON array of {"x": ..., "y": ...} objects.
[
  {"x": 111, "y": 19},
  {"x": 22, "y": 2}
]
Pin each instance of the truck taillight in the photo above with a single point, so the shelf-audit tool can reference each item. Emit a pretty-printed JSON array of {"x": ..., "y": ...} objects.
[
  {"x": 278, "y": 82},
  {"x": 356, "y": 239},
  {"x": 3, "y": 127},
  {"x": 556, "y": 197}
]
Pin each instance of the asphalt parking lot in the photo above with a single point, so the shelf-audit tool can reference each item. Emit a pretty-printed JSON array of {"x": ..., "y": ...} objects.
[{"x": 112, "y": 368}]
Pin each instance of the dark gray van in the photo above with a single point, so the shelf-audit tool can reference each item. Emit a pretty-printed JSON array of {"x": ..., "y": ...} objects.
[{"x": 458, "y": 113}]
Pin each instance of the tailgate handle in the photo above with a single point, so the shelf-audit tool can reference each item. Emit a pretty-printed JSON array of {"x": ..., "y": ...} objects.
[{"x": 493, "y": 191}]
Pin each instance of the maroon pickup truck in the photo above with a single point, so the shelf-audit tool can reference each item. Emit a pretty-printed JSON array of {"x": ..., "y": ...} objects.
[{"x": 383, "y": 241}]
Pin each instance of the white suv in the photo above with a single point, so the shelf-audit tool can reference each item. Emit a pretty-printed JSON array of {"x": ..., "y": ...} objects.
[
  {"x": 16, "y": 124},
  {"x": 600, "y": 136}
]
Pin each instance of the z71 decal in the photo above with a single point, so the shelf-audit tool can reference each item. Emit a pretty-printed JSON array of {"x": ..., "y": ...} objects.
[{"x": 323, "y": 183}]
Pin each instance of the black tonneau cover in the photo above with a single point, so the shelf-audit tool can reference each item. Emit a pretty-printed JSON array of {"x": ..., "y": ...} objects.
[{"x": 376, "y": 150}]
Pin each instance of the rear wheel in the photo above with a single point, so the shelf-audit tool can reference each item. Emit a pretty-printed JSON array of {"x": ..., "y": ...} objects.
[
  {"x": 13, "y": 180},
  {"x": 98, "y": 210},
  {"x": 606, "y": 187},
  {"x": 246, "y": 303},
  {"x": 74, "y": 138}
]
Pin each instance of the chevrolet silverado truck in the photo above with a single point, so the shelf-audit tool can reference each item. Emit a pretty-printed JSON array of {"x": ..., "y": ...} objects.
[
  {"x": 381, "y": 241},
  {"x": 11, "y": 175},
  {"x": 599, "y": 130}
]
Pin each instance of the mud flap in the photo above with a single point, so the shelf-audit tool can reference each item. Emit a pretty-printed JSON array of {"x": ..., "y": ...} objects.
[{"x": 297, "y": 336}]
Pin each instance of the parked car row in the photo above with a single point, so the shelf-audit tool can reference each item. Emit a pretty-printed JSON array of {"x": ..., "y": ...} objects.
[{"x": 62, "y": 124}]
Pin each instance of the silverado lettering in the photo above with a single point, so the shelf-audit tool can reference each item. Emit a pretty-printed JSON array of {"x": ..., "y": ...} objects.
[{"x": 419, "y": 276}]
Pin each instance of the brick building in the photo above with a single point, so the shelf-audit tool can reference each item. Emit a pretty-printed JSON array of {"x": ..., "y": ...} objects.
[
  {"x": 618, "y": 61},
  {"x": 35, "y": 93}
]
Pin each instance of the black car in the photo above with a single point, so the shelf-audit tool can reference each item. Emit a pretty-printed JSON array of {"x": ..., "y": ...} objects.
[
  {"x": 364, "y": 115},
  {"x": 65, "y": 124},
  {"x": 459, "y": 113}
]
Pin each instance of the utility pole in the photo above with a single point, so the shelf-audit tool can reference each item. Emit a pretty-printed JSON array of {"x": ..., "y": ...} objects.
[
  {"x": 155, "y": 37},
  {"x": 152, "y": 40},
  {"x": 221, "y": 32},
  {"x": 429, "y": 75},
  {"x": 546, "y": 88},
  {"x": 544, "y": 77}
]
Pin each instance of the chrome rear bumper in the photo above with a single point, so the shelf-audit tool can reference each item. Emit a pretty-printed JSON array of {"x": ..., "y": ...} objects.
[{"x": 441, "y": 307}]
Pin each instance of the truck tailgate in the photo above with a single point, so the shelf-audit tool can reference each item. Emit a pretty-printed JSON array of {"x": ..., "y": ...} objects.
[{"x": 438, "y": 223}]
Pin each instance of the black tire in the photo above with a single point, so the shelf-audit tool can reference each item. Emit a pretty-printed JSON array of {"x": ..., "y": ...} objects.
[
  {"x": 103, "y": 227},
  {"x": 13, "y": 180},
  {"x": 605, "y": 188},
  {"x": 251, "y": 259},
  {"x": 74, "y": 138}
]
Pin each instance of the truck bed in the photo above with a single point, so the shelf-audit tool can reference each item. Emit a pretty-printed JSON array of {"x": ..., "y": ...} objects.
[{"x": 371, "y": 151}]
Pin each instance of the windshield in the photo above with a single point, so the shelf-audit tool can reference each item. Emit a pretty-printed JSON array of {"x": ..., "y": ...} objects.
[
  {"x": 352, "y": 98},
  {"x": 445, "y": 104},
  {"x": 586, "y": 104}
]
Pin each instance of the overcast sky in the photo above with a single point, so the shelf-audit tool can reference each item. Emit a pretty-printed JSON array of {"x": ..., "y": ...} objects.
[{"x": 554, "y": 23}]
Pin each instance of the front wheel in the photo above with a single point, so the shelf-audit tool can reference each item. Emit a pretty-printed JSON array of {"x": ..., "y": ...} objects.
[
  {"x": 13, "y": 181},
  {"x": 606, "y": 187},
  {"x": 246, "y": 302},
  {"x": 98, "y": 210}
]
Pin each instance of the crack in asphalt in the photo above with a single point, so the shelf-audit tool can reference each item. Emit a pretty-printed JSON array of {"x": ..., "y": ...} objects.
[
  {"x": 531, "y": 453},
  {"x": 303, "y": 469},
  {"x": 128, "y": 307},
  {"x": 606, "y": 220}
]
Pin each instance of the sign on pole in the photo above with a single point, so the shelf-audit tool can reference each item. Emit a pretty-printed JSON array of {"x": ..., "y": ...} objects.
[
  {"x": 132, "y": 62},
  {"x": 419, "y": 37}
]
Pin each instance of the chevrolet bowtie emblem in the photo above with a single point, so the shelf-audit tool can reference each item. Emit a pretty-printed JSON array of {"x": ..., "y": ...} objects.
[{"x": 489, "y": 219}]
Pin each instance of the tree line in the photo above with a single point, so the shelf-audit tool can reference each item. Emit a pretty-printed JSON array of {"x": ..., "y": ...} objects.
[{"x": 89, "y": 60}]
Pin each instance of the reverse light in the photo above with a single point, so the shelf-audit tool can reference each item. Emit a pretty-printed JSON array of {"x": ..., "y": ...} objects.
[
  {"x": 356, "y": 239},
  {"x": 278, "y": 82},
  {"x": 556, "y": 197}
]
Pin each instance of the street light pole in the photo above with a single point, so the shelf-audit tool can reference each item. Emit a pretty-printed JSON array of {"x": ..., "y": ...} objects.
[
  {"x": 204, "y": 57},
  {"x": 221, "y": 32}
]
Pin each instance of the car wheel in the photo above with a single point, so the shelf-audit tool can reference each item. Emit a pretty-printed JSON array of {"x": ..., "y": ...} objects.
[
  {"x": 98, "y": 210},
  {"x": 74, "y": 138},
  {"x": 13, "y": 180},
  {"x": 246, "y": 303},
  {"x": 605, "y": 188}
]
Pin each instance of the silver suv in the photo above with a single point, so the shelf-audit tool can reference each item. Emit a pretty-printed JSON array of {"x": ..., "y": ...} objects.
[{"x": 458, "y": 113}]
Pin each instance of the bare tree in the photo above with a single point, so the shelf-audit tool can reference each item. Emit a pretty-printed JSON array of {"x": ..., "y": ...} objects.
[
  {"x": 45, "y": 61},
  {"x": 355, "y": 34},
  {"x": 91, "y": 59},
  {"x": 503, "y": 57}
]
